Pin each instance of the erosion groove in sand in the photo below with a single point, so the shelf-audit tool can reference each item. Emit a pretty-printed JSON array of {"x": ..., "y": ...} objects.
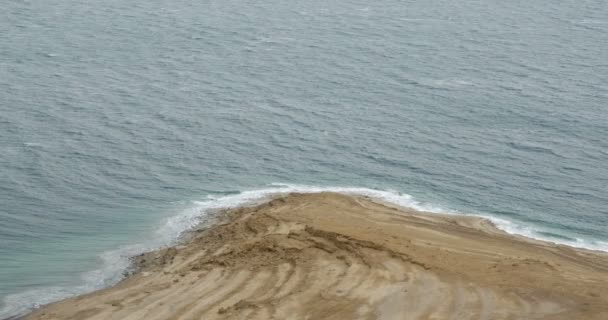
[{"x": 332, "y": 256}]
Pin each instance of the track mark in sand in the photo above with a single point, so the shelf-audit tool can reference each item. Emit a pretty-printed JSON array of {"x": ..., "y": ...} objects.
[{"x": 234, "y": 282}]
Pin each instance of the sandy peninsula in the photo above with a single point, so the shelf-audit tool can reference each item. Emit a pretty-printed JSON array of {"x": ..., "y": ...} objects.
[{"x": 332, "y": 256}]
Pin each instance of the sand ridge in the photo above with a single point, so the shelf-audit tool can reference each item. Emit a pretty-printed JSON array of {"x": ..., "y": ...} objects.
[{"x": 333, "y": 256}]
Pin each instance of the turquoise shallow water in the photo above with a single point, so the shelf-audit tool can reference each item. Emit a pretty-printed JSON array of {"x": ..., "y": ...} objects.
[{"x": 121, "y": 122}]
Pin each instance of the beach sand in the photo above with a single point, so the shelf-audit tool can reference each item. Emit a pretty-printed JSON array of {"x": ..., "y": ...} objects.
[{"x": 333, "y": 256}]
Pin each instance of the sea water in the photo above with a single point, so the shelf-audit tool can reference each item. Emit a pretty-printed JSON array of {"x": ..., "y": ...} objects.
[{"x": 123, "y": 123}]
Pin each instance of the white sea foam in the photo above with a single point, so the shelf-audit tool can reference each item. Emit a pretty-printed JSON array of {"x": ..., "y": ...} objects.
[
  {"x": 533, "y": 233},
  {"x": 116, "y": 262}
]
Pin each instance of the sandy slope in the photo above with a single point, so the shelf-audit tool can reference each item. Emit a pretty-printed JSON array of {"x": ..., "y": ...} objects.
[{"x": 330, "y": 256}]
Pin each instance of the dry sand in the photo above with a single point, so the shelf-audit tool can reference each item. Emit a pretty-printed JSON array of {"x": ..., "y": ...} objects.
[{"x": 331, "y": 256}]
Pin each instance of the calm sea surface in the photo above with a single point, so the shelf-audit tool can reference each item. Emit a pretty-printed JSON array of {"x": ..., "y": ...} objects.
[{"x": 122, "y": 121}]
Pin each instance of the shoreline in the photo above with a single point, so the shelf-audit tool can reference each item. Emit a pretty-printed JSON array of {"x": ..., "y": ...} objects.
[
  {"x": 434, "y": 226},
  {"x": 203, "y": 212}
]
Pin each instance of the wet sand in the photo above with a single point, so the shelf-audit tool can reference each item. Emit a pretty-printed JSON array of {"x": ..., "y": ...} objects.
[{"x": 332, "y": 256}]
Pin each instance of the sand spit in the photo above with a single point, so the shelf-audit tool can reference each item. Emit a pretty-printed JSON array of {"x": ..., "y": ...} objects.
[{"x": 332, "y": 256}]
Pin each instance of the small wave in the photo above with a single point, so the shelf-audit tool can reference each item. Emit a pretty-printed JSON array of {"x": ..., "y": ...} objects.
[
  {"x": 515, "y": 228},
  {"x": 555, "y": 235},
  {"x": 448, "y": 83},
  {"x": 33, "y": 144},
  {"x": 116, "y": 262},
  {"x": 590, "y": 21},
  {"x": 530, "y": 147},
  {"x": 424, "y": 20}
]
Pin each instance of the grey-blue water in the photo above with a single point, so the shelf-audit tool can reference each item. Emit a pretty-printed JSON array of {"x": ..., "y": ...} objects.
[{"x": 120, "y": 121}]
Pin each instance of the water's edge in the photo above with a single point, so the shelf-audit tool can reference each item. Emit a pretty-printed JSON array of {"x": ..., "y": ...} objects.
[{"x": 117, "y": 263}]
